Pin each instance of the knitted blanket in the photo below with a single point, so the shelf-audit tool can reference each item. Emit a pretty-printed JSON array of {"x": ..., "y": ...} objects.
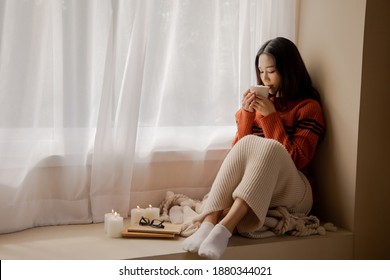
[{"x": 181, "y": 209}]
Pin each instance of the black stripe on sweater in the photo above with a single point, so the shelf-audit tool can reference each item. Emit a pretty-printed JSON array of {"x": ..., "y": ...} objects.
[
  {"x": 307, "y": 124},
  {"x": 311, "y": 125}
]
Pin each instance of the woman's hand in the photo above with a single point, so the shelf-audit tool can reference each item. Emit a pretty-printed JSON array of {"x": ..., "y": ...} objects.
[
  {"x": 263, "y": 105},
  {"x": 251, "y": 102},
  {"x": 247, "y": 101}
]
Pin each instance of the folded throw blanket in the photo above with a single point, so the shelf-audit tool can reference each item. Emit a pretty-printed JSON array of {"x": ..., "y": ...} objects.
[{"x": 181, "y": 209}]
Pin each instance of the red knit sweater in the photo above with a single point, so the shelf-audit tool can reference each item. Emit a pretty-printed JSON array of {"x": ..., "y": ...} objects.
[{"x": 298, "y": 125}]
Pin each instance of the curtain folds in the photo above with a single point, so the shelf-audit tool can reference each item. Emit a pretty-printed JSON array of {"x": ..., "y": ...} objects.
[
  {"x": 114, "y": 151},
  {"x": 107, "y": 104}
]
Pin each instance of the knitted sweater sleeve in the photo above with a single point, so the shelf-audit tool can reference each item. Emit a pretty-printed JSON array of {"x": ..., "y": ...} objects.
[
  {"x": 244, "y": 121},
  {"x": 306, "y": 127}
]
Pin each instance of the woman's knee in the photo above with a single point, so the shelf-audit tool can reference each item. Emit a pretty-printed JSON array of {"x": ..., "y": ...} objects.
[{"x": 256, "y": 143}]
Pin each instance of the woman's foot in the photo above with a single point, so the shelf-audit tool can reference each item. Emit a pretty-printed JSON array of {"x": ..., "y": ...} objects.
[
  {"x": 216, "y": 243},
  {"x": 192, "y": 243}
]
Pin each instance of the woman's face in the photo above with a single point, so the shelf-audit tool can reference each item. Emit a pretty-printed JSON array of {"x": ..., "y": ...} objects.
[{"x": 269, "y": 75}]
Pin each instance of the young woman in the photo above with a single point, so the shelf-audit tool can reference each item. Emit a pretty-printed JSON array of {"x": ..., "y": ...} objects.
[{"x": 267, "y": 166}]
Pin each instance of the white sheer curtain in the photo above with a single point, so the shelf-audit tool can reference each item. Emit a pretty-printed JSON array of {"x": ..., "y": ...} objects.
[{"x": 95, "y": 96}]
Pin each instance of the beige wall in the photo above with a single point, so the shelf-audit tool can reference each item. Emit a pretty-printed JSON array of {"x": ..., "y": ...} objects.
[
  {"x": 346, "y": 47},
  {"x": 330, "y": 38}
]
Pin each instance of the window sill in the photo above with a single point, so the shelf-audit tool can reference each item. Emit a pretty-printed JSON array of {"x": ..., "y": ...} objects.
[{"x": 88, "y": 242}]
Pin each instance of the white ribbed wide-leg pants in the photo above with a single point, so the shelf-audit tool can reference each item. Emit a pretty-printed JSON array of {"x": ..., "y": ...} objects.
[{"x": 261, "y": 172}]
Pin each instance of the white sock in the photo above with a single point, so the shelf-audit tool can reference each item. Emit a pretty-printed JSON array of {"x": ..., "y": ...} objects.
[
  {"x": 216, "y": 243},
  {"x": 192, "y": 243}
]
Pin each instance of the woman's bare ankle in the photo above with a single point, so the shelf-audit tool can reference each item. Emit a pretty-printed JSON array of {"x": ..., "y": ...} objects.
[{"x": 213, "y": 217}]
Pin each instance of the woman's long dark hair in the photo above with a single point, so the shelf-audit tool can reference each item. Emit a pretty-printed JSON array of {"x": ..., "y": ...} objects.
[{"x": 296, "y": 83}]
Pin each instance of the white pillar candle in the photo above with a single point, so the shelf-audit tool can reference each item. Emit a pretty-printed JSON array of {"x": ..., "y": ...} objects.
[
  {"x": 136, "y": 215},
  {"x": 152, "y": 213},
  {"x": 115, "y": 225},
  {"x": 106, "y": 217}
]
